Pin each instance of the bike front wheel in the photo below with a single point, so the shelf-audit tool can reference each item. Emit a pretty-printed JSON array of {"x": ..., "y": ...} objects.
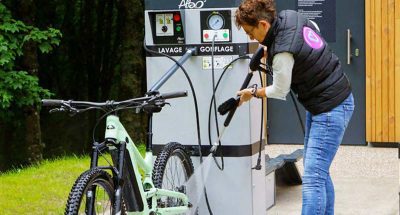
[
  {"x": 172, "y": 169},
  {"x": 92, "y": 193}
]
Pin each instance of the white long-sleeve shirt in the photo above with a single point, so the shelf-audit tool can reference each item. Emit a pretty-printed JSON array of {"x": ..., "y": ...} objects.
[{"x": 282, "y": 66}]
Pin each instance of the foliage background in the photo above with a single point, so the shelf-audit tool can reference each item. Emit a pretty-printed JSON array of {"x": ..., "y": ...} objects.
[{"x": 80, "y": 50}]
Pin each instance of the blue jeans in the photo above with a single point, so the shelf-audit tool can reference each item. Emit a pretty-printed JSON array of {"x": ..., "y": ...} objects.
[{"x": 324, "y": 133}]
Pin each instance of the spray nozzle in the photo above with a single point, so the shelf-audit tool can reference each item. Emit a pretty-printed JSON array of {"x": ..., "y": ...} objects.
[
  {"x": 228, "y": 105},
  {"x": 215, "y": 145},
  {"x": 214, "y": 148}
]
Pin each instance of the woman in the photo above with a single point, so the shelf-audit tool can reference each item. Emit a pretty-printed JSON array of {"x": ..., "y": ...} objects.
[{"x": 302, "y": 60}]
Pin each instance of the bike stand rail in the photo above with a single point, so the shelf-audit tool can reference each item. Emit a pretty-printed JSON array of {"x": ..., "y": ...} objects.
[
  {"x": 281, "y": 170},
  {"x": 285, "y": 167}
]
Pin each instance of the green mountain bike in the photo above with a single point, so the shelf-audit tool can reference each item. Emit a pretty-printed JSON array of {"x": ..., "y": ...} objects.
[{"x": 121, "y": 188}]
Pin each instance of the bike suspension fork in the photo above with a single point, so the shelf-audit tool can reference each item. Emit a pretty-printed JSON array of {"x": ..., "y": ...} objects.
[{"x": 96, "y": 149}]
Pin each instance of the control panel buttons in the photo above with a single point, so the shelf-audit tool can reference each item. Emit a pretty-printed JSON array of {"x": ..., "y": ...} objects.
[
  {"x": 220, "y": 35},
  {"x": 167, "y": 27},
  {"x": 177, "y": 17},
  {"x": 164, "y": 24}
]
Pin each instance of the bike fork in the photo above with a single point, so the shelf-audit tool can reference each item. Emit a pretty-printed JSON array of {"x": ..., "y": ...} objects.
[
  {"x": 91, "y": 194},
  {"x": 118, "y": 181}
]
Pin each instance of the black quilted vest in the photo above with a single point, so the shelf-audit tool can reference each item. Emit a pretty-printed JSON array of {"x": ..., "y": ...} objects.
[{"x": 317, "y": 76}]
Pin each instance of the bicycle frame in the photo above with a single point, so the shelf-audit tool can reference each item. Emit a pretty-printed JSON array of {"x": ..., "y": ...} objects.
[
  {"x": 138, "y": 191},
  {"x": 116, "y": 133}
]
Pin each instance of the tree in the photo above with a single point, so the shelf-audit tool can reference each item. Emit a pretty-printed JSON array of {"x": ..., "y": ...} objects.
[
  {"x": 100, "y": 57},
  {"x": 20, "y": 92},
  {"x": 132, "y": 72}
]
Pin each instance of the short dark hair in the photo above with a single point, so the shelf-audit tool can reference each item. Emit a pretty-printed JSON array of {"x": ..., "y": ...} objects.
[{"x": 250, "y": 12}]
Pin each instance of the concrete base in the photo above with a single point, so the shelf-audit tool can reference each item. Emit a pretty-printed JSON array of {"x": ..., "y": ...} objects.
[
  {"x": 366, "y": 181},
  {"x": 361, "y": 197}
]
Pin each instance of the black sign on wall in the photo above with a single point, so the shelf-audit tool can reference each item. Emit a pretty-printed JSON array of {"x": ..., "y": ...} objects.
[
  {"x": 323, "y": 12},
  {"x": 203, "y": 49}
]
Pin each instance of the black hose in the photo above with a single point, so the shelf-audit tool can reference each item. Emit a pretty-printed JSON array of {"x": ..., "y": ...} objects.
[
  {"x": 258, "y": 165},
  {"x": 298, "y": 112},
  {"x": 269, "y": 71},
  {"x": 221, "y": 167}
]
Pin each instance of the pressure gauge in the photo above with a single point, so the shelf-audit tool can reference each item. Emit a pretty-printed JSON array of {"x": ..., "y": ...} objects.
[{"x": 216, "y": 21}]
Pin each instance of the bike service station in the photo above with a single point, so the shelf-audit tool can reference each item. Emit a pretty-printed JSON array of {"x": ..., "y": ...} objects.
[{"x": 201, "y": 37}]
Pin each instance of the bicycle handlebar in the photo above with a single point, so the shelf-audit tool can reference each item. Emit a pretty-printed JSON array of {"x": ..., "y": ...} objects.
[
  {"x": 57, "y": 102},
  {"x": 51, "y": 102},
  {"x": 174, "y": 95}
]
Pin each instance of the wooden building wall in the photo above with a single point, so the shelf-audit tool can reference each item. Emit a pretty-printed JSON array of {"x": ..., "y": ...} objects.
[{"x": 383, "y": 70}]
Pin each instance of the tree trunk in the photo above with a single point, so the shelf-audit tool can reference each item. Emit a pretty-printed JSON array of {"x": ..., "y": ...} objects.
[
  {"x": 3, "y": 146},
  {"x": 26, "y": 12},
  {"x": 108, "y": 58},
  {"x": 132, "y": 63},
  {"x": 33, "y": 136}
]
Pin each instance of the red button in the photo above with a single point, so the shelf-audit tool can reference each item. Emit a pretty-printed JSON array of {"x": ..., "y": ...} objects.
[
  {"x": 206, "y": 35},
  {"x": 177, "y": 17}
]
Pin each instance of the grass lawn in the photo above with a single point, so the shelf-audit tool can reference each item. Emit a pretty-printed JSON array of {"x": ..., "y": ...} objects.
[
  {"x": 41, "y": 189},
  {"x": 44, "y": 188}
]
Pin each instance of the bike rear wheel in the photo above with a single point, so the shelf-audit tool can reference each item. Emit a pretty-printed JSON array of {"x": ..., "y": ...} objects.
[
  {"x": 172, "y": 168},
  {"x": 92, "y": 193}
]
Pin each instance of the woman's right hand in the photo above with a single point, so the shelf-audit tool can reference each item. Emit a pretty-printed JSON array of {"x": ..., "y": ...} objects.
[{"x": 245, "y": 95}]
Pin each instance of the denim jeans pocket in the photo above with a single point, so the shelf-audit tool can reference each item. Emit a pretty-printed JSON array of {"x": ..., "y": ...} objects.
[
  {"x": 322, "y": 119},
  {"x": 348, "y": 107},
  {"x": 348, "y": 112}
]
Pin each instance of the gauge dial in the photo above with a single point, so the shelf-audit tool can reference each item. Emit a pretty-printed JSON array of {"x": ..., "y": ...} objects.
[{"x": 216, "y": 21}]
